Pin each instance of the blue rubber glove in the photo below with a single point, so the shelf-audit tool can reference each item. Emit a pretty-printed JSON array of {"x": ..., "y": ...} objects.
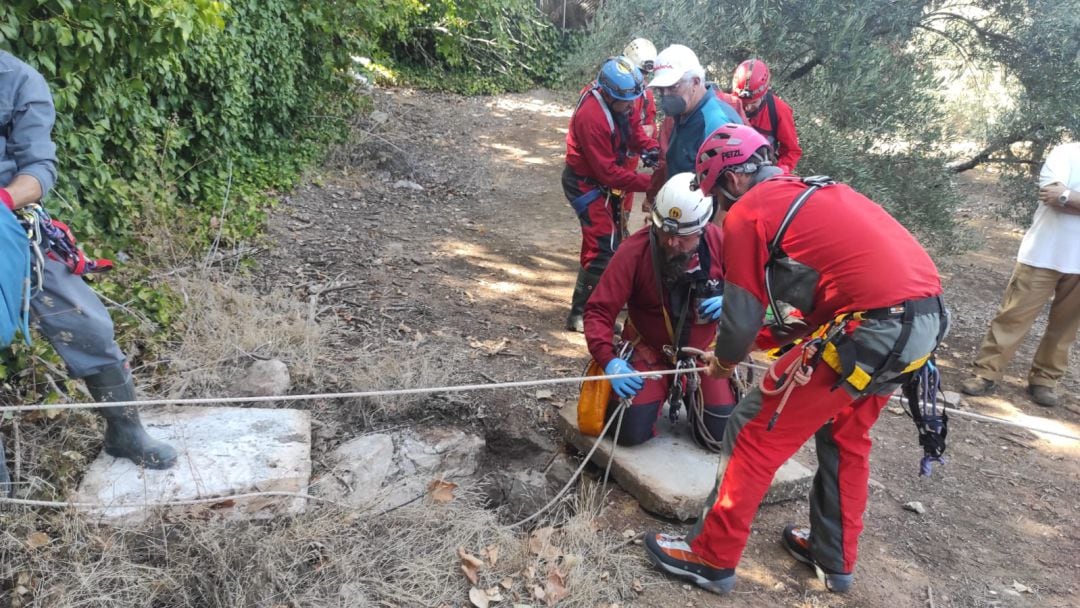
[
  {"x": 623, "y": 387},
  {"x": 710, "y": 308}
]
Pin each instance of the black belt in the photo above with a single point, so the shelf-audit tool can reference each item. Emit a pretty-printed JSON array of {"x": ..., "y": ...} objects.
[{"x": 925, "y": 306}]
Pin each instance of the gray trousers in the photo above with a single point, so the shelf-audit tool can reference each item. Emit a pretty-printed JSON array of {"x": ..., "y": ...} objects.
[{"x": 71, "y": 316}]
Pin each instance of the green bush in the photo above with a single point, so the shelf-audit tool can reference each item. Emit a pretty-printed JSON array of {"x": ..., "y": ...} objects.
[
  {"x": 466, "y": 46},
  {"x": 171, "y": 103},
  {"x": 178, "y": 119}
]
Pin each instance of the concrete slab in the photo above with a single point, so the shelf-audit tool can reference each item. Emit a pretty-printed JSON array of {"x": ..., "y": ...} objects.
[
  {"x": 670, "y": 475},
  {"x": 223, "y": 451}
]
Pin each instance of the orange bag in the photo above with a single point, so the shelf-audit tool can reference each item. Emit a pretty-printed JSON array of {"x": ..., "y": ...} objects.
[{"x": 593, "y": 401}]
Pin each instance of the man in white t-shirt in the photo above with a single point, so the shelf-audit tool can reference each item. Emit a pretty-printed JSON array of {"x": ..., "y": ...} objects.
[{"x": 1047, "y": 268}]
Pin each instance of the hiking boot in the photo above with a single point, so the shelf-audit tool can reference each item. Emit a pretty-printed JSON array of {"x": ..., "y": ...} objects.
[
  {"x": 575, "y": 322},
  {"x": 796, "y": 540},
  {"x": 125, "y": 436},
  {"x": 976, "y": 386},
  {"x": 673, "y": 555},
  {"x": 1043, "y": 395}
]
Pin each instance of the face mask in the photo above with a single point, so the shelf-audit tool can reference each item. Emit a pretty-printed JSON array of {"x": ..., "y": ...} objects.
[{"x": 672, "y": 105}]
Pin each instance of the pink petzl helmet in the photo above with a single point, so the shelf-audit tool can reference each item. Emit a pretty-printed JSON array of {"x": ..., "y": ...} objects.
[
  {"x": 751, "y": 80},
  {"x": 732, "y": 147}
]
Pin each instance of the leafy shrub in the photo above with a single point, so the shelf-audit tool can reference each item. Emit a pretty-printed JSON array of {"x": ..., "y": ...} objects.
[{"x": 467, "y": 46}]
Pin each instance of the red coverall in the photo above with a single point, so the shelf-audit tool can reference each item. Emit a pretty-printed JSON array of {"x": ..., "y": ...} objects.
[
  {"x": 645, "y": 109},
  {"x": 630, "y": 279},
  {"x": 863, "y": 260},
  {"x": 597, "y": 159},
  {"x": 781, "y": 133}
]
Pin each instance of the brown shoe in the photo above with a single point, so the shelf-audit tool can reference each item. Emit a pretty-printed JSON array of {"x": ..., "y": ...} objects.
[
  {"x": 1043, "y": 395},
  {"x": 976, "y": 386}
]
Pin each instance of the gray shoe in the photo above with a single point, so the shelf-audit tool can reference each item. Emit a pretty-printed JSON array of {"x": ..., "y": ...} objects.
[
  {"x": 976, "y": 386},
  {"x": 1043, "y": 395}
]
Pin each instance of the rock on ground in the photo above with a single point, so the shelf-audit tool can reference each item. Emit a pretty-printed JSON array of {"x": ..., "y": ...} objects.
[
  {"x": 263, "y": 379},
  {"x": 388, "y": 469},
  {"x": 223, "y": 451},
  {"x": 669, "y": 475}
]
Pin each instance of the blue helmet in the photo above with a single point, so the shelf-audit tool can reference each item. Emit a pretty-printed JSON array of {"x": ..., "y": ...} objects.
[{"x": 621, "y": 79}]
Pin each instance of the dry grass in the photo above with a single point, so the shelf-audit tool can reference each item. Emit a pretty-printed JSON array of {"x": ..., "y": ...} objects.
[
  {"x": 225, "y": 326},
  {"x": 328, "y": 557}
]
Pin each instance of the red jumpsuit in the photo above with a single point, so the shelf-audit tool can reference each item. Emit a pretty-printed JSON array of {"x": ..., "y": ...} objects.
[
  {"x": 645, "y": 109},
  {"x": 598, "y": 146},
  {"x": 775, "y": 120},
  {"x": 856, "y": 257},
  {"x": 631, "y": 280}
]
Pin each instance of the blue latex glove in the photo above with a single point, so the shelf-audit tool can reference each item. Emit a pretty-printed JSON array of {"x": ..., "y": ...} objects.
[
  {"x": 710, "y": 308},
  {"x": 623, "y": 387}
]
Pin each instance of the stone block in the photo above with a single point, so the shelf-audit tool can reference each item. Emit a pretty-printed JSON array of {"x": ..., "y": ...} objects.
[
  {"x": 670, "y": 475},
  {"x": 222, "y": 451}
]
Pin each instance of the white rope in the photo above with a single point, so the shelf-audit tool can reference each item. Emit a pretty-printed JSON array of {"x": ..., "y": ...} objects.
[
  {"x": 347, "y": 395},
  {"x": 158, "y": 505},
  {"x": 584, "y": 462}
]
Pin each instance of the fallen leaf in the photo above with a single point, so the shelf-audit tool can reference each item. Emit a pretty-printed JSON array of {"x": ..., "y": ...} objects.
[
  {"x": 629, "y": 533},
  {"x": 470, "y": 573},
  {"x": 470, "y": 565},
  {"x": 555, "y": 587},
  {"x": 1021, "y": 588},
  {"x": 491, "y": 553},
  {"x": 441, "y": 491},
  {"x": 478, "y": 598},
  {"x": 37, "y": 539},
  {"x": 507, "y": 583},
  {"x": 570, "y": 561},
  {"x": 529, "y": 572},
  {"x": 545, "y": 395},
  {"x": 493, "y": 594},
  {"x": 540, "y": 543},
  {"x": 637, "y": 586}
]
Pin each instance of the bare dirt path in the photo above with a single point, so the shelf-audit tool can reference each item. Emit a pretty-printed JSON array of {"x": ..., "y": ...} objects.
[{"x": 468, "y": 280}]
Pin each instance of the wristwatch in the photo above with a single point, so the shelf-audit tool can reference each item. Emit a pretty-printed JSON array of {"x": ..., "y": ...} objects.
[{"x": 1063, "y": 198}]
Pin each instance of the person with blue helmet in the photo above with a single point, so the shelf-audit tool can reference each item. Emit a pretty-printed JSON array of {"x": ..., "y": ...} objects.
[{"x": 600, "y": 142}]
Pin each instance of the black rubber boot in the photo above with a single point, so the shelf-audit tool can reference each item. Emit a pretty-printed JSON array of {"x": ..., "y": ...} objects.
[
  {"x": 583, "y": 288},
  {"x": 6, "y": 489},
  {"x": 125, "y": 436}
]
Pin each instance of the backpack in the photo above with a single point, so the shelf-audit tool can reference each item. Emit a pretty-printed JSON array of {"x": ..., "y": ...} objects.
[{"x": 14, "y": 279}]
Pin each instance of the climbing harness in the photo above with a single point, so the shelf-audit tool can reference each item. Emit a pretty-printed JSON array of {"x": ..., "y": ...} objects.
[{"x": 801, "y": 285}]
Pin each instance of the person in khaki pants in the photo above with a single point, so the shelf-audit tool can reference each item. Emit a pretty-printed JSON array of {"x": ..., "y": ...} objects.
[{"x": 1047, "y": 268}]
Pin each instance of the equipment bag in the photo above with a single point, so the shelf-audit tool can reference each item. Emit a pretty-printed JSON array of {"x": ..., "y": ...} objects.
[
  {"x": 593, "y": 401},
  {"x": 14, "y": 279}
]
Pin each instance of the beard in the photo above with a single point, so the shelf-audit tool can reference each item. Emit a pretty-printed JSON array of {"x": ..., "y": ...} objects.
[{"x": 673, "y": 268}]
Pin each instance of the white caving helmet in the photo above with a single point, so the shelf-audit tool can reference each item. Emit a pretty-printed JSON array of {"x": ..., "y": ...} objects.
[
  {"x": 642, "y": 53},
  {"x": 680, "y": 210}
]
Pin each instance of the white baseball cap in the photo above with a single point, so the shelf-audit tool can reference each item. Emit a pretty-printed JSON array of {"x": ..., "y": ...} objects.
[{"x": 672, "y": 64}]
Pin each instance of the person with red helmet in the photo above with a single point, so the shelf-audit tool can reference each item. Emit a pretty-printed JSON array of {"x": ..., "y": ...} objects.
[
  {"x": 769, "y": 114},
  {"x": 600, "y": 141},
  {"x": 670, "y": 278},
  {"x": 872, "y": 310}
]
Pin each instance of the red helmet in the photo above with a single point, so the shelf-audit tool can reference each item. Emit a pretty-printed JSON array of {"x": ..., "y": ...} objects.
[
  {"x": 751, "y": 80},
  {"x": 732, "y": 147}
]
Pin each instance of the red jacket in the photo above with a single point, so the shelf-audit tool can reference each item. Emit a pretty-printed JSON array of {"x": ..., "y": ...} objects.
[
  {"x": 782, "y": 134},
  {"x": 630, "y": 279},
  {"x": 593, "y": 145},
  {"x": 855, "y": 254},
  {"x": 645, "y": 110}
]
